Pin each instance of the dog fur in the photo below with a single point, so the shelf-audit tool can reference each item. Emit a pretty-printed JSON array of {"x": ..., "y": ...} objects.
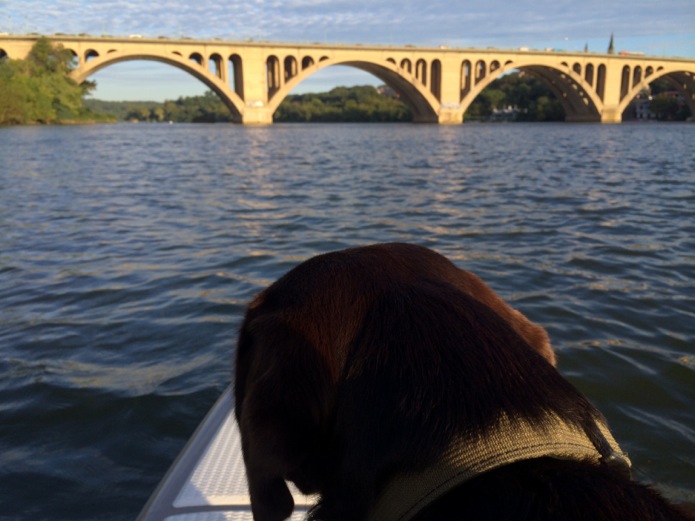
[{"x": 360, "y": 364}]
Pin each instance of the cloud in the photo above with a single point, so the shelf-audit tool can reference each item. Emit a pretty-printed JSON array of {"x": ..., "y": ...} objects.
[
  {"x": 638, "y": 25},
  {"x": 479, "y": 23}
]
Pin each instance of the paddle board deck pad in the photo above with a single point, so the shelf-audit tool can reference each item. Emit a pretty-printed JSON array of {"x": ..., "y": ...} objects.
[{"x": 207, "y": 482}]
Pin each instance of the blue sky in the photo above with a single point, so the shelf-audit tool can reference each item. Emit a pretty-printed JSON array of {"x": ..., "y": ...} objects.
[{"x": 656, "y": 28}]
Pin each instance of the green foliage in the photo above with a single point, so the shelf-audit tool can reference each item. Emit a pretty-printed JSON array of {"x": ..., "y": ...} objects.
[
  {"x": 119, "y": 109},
  {"x": 47, "y": 59},
  {"x": 207, "y": 108},
  {"x": 532, "y": 99},
  {"x": 39, "y": 89},
  {"x": 668, "y": 107},
  {"x": 193, "y": 109},
  {"x": 660, "y": 86},
  {"x": 344, "y": 104},
  {"x": 340, "y": 104},
  {"x": 13, "y": 93},
  {"x": 666, "y": 101}
]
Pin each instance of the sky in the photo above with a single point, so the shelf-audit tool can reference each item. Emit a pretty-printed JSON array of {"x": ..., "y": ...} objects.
[{"x": 655, "y": 28}]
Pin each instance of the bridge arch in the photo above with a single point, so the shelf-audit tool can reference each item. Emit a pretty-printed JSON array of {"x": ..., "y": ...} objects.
[
  {"x": 436, "y": 82},
  {"x": 589, "y": 74},
  {"x": 90, "y": 55},
  {"x": 272, "y": 64},
  {"x": 215, "y": 65},
  {"x": 421, "y": 71},
  {"x": 290, "y": 67},
  {"x": 236, "y": 76},
  {"x": 230, "y": 98},
  {"x": 480, "y": 71},
  {"x": 420, "y": 99},
  {"x": 682, "y": 80},
  {"x": 466, "y": 78},
  {"x": 579, "y": 102},
  {"x": 196, "y": 57},
  {"x": 601, "y": 81}
]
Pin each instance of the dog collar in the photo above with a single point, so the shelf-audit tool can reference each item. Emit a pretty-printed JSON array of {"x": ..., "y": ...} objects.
[{"x": 468, "y": 457}]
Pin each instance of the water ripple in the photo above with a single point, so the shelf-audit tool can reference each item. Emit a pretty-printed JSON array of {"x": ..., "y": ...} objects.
[{"x": 124, "y": 273}]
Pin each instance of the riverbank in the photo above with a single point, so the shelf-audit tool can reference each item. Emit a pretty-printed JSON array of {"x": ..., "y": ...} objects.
[{"x": 63, "y": 122}]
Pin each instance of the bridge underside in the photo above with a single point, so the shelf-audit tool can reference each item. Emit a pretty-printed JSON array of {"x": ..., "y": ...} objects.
[
  {"x": 577, "y": 105},
  {"x": 422, "y": 110}
]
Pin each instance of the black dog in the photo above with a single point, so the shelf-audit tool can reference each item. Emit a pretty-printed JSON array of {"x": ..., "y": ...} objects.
[{"x": 398, "y": 386}]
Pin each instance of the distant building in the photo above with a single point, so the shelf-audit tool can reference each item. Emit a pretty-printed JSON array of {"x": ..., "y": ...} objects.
[
  {"x": 643, "y": 109},
  {"x": 387, "y": 91},
  {"x": 505, "y": 114}
]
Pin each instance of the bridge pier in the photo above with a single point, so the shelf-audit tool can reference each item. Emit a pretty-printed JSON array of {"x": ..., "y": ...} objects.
[
  {"x": 450, "y": 116},
  {"x": 256, "y": 114},
  {"x": 611, "y": 115}
]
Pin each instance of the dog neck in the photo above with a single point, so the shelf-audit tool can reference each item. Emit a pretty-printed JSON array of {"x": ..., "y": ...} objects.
[{"x": 467, "y": 457}]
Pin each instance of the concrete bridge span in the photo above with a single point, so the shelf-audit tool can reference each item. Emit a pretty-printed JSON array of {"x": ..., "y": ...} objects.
[{"x": 439, "y": 84}]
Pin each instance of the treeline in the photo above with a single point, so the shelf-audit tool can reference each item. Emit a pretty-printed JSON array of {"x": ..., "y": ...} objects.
[
  {"x": 191, "y": 109},
  {"x": 664, "y": 102},
  {"x": 370, "y": 104},
  {"x": 122, "y": 110},
  {"x": 528, "y": 98},
  {"x": 669, "y": 107},
  {"x": 344, "y": 104},
  {"x": 362, "y": 103},
  {"x": 38, "y": 89}
]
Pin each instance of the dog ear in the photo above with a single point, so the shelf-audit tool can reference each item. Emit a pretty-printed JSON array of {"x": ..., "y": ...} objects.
[{"x": 282, "y": 388}]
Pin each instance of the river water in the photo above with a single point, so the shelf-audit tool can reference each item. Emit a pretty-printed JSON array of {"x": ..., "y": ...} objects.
[{"x": 128, "y": 252}]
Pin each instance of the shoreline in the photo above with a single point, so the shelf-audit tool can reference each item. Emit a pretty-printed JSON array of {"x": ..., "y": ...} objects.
[{"x": 61, "y": 122}]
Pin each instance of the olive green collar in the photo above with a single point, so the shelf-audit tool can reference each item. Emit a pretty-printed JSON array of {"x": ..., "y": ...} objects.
[{"x": 467, "y": 457}]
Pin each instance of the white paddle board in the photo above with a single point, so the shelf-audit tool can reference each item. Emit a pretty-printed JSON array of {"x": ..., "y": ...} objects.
[{"x": 207, "y": 482}]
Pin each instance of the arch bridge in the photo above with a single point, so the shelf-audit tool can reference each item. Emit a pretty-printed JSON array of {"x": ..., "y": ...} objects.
[{"x": 439, "y": 84}]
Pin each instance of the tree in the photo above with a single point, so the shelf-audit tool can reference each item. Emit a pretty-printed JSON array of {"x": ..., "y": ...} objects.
[
  {"x": 668, "y": 107},
  {"x": 521, "y": 91},
  {"x": 46, "y": 58},
  {"x": 39, "y": 88},
  {"x": 347, "y": 104},
  {"x": 12, "y": 102}
]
